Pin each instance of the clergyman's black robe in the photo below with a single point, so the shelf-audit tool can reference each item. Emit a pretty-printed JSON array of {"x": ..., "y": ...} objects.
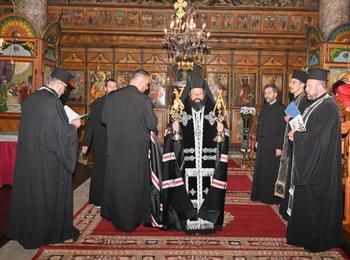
[
  {"x": 302, "y": 104},
  {"x": 41, "y": 209},
  {"x": 129, "y": 118},
  {"x": 96, "y": 136},
  {"x": 269, "y": 136},
  {"x": 195, "y": 175},
  {"x": 316, "y": 219}
]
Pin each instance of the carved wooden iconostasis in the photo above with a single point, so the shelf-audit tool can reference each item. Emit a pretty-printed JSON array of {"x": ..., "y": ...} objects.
[
  {"x": 251, "y": 45},
  {"x": 26, "y": 59}
]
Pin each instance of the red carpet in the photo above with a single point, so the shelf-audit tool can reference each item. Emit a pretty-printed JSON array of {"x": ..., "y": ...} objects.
[
  {"x": 252, "y": 231},
  {"x": 233, "y": 164}
]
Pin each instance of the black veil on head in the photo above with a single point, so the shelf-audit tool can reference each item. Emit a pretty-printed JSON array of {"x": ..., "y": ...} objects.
[{"x": 196, "y": 79}]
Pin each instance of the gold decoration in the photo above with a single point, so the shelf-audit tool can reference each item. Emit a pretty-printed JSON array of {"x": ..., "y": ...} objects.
[
  {"x": 185, "y": 42},
  {"x": 220, "y": 113},
  {"x": 176, "y": 111}
]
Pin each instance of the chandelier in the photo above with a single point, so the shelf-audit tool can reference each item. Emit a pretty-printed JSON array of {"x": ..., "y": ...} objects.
[{"x": 185, "y": 42}]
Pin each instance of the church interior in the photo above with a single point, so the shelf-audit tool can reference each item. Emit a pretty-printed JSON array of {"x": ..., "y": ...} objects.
[{"x": 242, "y": 46}]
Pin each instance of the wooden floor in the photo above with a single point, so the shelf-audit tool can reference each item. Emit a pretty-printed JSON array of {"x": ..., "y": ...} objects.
[{"x": 81, "y": 174}]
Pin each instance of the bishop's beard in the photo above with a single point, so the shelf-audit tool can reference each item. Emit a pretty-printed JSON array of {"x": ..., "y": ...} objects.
[{"x": 197, "y": 104}]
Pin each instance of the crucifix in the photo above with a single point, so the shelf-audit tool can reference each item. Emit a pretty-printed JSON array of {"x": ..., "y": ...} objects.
[{"x": 179, "y": 6}]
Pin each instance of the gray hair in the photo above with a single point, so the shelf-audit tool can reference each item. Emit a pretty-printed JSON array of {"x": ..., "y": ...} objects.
[
  {"x": 138, "y": 73},
  {"x": 49, "y": 80}
]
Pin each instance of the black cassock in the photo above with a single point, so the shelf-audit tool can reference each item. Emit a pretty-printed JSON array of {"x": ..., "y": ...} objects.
[
  {"x": 316, "y": 219},
  {"x": 96, "y": 136},
  {"x": 41, "y": 210},
  {"x": 302, "y": 103},
  {"x": 129, "y": 118},
  {"x": 195, "y": 174},
  {"x": 269, "y": 136}
]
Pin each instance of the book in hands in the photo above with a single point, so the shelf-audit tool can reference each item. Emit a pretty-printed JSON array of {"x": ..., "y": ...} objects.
[
  {"x": 292, "y": 110},
  {"x": 297, "y": 124},
  {"x": 72, "y": 115}
]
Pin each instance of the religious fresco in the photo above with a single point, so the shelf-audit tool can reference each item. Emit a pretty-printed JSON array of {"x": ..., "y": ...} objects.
[
  {"x": 242, "y": 22},
  {"x": 255, "y": 22},
  {"x": 106, "y": 18},
  {"x": 219, "y": 81},
  {"x": 77, "y": 94},
  {"x": 78, "y": 18},
  {"x": 147, "y": 20},
  {"x": 228, "y": 21},
  {"x": 160, "y": 21},
  {"x": 15, "y": 84},
  {"x": 336, "y": 74},
  {"x": 282, "y": 22},
  {"x": 133, "y": 19},
  {"x": 215, "y": 21},
  {"x": 314, "y": 58},
  {"x": 234, "y": 21},
  {"x": 295, "y": 22},
  {"x": 119, "y": 19},
  {"x": 244, "y": 89},
  {"x": 157, "y": 89},
  {"x": 66, "y": 18},
  {"x": 123, "y": 78},
  {"x": 97, "y": 83},
  {"x": 238, "y": 3},
  {"x": 341, "y": 55},
  {"x": 92, "y": 18},
  {"x": 269, "y": 22}
]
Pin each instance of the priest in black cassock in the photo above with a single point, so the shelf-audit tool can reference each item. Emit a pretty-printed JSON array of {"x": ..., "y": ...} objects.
[
  {"x": 195, "y": 168},
  {"x": 269, "y": 142},
  {"x": 317, "y": 209},
  {"x": 297, "y": 85},
  {"x": 129, "y": 118},
  {"x": 41, "y": 209},
  {"x": 96, "y": 136}
]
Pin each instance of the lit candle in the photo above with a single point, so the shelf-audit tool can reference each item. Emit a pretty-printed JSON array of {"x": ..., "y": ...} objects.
[
  {"x": 165, "y": 30},
  {"x": 208, "y": 34},
  {"x": 204, "y": 25}
]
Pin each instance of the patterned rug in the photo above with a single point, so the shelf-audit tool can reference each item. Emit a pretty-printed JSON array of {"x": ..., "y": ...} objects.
[{"x": 251, "y": 231}]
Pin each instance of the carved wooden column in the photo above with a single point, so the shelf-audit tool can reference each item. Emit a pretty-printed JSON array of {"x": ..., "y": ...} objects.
[
  {"x": 332, "y": 14},
  {"x": 35, "y": 10}
]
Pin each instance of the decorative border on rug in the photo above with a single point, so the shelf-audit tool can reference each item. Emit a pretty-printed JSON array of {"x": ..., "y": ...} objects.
[{"x": 149, "y": 254}]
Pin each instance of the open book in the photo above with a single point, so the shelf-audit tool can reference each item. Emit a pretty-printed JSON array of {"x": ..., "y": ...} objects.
[
  {"x": 71, "y": 114},
  {"x": 297, "y": 123}
]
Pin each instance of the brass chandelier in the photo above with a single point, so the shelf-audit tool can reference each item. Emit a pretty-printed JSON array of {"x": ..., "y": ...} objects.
[{"x": 185, "y": 42}]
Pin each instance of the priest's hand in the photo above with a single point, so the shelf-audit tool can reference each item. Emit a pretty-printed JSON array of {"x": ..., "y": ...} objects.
[
  {"x": 278, "y": 152},
  {"x": 291, "y": 135},
  {"x": 84, "y": 149},
  {"x": 176, "y": 127},
  {"x": 220, "y": 127},
  {"x": 76, "y": 123}
]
